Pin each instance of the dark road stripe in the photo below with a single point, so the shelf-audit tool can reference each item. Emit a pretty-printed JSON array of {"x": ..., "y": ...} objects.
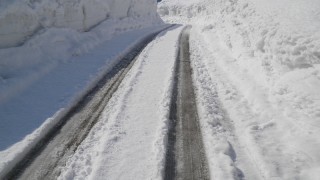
[{"x": 185, "y": 158}]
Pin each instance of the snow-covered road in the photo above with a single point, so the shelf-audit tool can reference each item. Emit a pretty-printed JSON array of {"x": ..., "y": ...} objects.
[
  {"x": 129, "y": 140},
  {"x": 46, "y": 157},
  {"x": 249, "y": 107}
]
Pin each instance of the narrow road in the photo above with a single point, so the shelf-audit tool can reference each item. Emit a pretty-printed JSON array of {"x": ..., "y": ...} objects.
[
  {"x": 44, "y": 161},
  {"x": 185, "y": 158}
]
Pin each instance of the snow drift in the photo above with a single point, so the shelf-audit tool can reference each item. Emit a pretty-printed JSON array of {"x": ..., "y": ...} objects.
[{"x": 20, "y": 19}]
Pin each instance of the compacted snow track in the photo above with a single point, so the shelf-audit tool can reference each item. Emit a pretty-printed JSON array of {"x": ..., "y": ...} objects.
[
  {"x": 44, "y": 161},
  {"x": 185, "y": 158}
]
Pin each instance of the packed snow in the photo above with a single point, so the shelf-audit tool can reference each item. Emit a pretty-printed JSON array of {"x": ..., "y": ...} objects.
[{"x": 256, "y": 69}]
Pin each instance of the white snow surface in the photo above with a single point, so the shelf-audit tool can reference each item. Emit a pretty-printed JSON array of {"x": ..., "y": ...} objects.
[
  {"x": 129, "y": 140},
  {"x": 257, "y": 73},
  {"x": 20, "y": 19}
]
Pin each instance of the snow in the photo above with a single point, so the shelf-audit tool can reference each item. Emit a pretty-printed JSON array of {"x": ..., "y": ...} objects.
[
  {"x": 226, "y": 156},
  {"x": 53, "y": 93},
  {"x": 258, "y": 87},
  {"x": 20, "y": 19},
  {"x": 129, "y": 139},
  {"x": 27, "y": 75},
  {"x": 255, "y": 69},
  {"x": 59, "y": 61}
]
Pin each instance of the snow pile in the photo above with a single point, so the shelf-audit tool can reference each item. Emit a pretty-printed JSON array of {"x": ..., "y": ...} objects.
[
  {"x": 275, "y": 43},
  {"x": 283, "y": 34},
  {"x": 269, "y": 52},
  {"x": 20, "y": 19}
]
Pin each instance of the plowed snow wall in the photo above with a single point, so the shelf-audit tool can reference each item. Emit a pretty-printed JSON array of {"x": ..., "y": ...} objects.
[{"x": 22, "y": 18}]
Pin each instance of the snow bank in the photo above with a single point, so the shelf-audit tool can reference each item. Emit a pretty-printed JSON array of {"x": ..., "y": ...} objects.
[
  {"x": 269, "y": 52},
  {"x": 66, "y": 46},
  {"x": 275, "y": 43},
  {"x": 283, "y": 34},
  {"x": 20, "y": 19}
]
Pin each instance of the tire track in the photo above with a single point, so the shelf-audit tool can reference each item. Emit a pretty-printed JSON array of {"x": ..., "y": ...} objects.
[
  {"x": 45, "y": 159},
  {"x": 185, "y": 158}
]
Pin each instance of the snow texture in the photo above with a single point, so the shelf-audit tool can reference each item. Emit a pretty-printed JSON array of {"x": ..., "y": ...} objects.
[{"x": 20, "y": 19}]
